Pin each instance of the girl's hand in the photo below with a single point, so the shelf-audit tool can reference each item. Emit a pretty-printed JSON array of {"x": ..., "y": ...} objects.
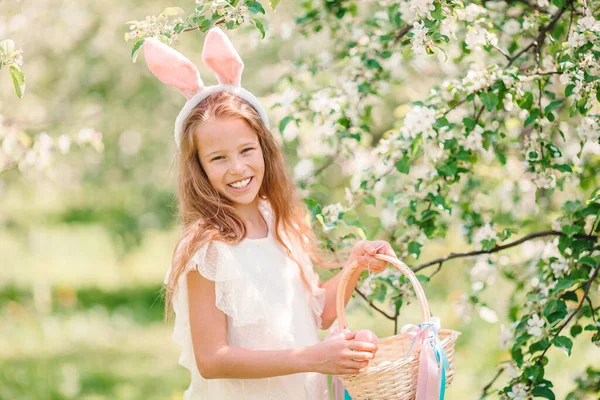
[
  {"x": 340, "y": 355},
  {"x": 364, "y": 251}
]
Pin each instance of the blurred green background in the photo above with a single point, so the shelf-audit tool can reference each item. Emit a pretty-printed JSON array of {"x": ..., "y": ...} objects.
[{"x": 84, "y": 247}]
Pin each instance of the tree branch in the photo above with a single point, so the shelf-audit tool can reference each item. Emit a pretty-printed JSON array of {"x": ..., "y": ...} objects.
[
  {"x": 540, "y": 37},
  {"x": 588, "y": 285},
  {"x": 497, "y": 248},
  {"x": 374, "y": 306},
  {"x": 487, "y": 387}
]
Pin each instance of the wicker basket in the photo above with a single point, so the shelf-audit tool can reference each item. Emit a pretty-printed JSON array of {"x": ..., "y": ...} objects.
[{"x": 392, "y": 374}]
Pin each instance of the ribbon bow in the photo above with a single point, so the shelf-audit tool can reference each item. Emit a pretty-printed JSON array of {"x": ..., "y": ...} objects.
[{"x": 433, "y": 362}]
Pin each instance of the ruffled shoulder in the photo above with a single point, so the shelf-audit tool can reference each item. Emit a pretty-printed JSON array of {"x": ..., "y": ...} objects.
[
  {"x": 317, "y": 296},
  {"x": 235, "y": 294}
]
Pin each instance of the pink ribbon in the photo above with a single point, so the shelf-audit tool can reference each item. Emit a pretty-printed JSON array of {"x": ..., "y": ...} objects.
[{"x": 428, "y": 380}]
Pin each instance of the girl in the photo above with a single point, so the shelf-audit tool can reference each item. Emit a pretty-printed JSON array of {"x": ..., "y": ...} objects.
[{"x": 248, "y": 303}]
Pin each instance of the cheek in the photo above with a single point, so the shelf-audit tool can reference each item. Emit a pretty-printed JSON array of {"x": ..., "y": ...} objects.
[{"x": 213, "y": 173}]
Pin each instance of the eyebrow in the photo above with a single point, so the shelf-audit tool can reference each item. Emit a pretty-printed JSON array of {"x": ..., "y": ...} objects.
[{"x": 252, "y": 143}]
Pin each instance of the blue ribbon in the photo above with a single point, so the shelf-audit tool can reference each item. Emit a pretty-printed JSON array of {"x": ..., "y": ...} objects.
[{"x": 440, "y": 354}]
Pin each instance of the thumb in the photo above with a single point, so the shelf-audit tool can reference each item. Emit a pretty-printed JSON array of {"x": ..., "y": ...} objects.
[{"x": 349, "y": 335}]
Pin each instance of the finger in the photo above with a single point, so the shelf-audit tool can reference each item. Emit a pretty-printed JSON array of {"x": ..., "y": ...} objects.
[
  {"x": 348, "y": 335},
  {"x": 363, "y": 346},
  {"x": 356, "y": 364},
  {"x": 360, "y": 355},
  {"x": 349, "y": 371}
]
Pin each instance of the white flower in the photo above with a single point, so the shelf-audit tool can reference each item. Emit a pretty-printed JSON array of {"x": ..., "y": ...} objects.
[
  {"x": 511, "y": 27},
  {"x": 508, "y": 102},
  {"x": 535, "y": 325},
  {"x": 488, "y": 315},
  {"x": 486, "y": 232},
  {"x": 474, "y": 140},
  {"x": 559, "y": 268},
  {"x": 483, "y": 271},
  {"x": 422, "y": 8},
  {"x": 388, "y": 217},
  {"x": 576, "y": 40},
  {"x": 589, "y": 23},
  {"x": 470, "y": 13},
  {"x": 518, "y": 392},
  {"x": 420, "y": 40},
  {"x": 510, "y": 370},
  {"x": 588, "y": 130},
  {"x": 419, "y": 120},
  {"x": 304, "y": 169},
  {"x": 64, "y": 143},
  {"x": 506, "y": 336},
  {"x": 543, "y": 3},
  {"x": 332, "y": 212}
]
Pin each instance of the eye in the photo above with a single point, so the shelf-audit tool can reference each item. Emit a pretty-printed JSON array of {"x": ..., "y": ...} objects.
[
  {"x": 247, "y": 148},
  {"x": 216, "y": 158}
]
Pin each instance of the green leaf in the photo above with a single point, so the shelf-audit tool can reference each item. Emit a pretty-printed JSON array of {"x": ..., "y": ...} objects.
[
  {"x": 448, "y": 169},
  {"x": 489, "y": 100},
  {"x": 526, "y": 102},
  {"x": 437, "y": 13},
  {"x": 538, "y": 346},
  {"x": 563, "y": 343},
  {"x": 255, "y": 7},
  {"x": 313, "y": 206},
  {"x": 136, "y": 47},
  {"x": 576, "y": 330},
  {"x": 562, "y": 167},
  {"x": 260, "y": 27},
  {"x": 18, "y": 79},
  {"x": 571, "y": 230},
  {"x": 403, "y": 165},
  {"x": 370, "y": 199},
  {"x": 372, "y": 63},
  {"x": 553, "y": 106},
  {"x": 274, "y": 4},
  {"x": 414, "y": 248},
  {"x": 544, "y": 392},
  {"x": 284, "y": 122},
  {"x": 569, "y": 90},
  {"x": 587, "y": 260}
]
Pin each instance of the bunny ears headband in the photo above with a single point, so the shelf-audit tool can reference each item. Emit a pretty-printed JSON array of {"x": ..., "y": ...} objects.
[{"x": 174, "y": 69}]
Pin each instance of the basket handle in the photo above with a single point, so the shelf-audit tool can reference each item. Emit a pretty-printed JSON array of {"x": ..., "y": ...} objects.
[{"x": 347, "y": 273}]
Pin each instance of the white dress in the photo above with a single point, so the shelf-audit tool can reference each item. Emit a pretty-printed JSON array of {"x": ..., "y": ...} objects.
[{"x": 259, "y": 289}]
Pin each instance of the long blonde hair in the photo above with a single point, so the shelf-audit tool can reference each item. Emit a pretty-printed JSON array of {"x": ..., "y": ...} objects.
[{"x": 207, "y": 215}]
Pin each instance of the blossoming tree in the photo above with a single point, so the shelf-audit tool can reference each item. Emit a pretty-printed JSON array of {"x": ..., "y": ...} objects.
[{"x": 499, "y": 141}]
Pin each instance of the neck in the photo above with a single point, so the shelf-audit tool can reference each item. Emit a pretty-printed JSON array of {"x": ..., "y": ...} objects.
[{"x": 252, "y": 218}]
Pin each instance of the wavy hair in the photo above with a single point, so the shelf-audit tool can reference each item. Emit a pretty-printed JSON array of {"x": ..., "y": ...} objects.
[{"x": 207, "y": 215}]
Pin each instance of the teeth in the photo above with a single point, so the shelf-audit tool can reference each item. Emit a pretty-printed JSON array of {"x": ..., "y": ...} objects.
[{"x": 241, "y": 184}]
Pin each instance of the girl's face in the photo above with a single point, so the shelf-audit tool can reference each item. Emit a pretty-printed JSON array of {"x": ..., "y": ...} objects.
[{"x": 232, "y": 158}]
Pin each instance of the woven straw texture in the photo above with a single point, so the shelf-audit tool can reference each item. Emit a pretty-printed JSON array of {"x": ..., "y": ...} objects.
[{"x": 392, "y": 375}]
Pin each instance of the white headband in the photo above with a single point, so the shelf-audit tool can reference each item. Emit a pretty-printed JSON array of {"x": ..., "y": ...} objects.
[{"x": 172, "y": 68}]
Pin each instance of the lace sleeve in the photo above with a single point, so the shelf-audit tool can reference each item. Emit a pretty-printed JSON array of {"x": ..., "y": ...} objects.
[{"x": 234, "y": 294}]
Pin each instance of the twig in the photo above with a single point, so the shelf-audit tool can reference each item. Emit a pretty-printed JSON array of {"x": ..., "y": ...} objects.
[
  {"x": 487, "y": 387},
  {"x": 540, "y": 37},
  {"x": 374, "y": 306},
  {"x": 588, "y": 285},
  {"x": 498, "y": 248}
]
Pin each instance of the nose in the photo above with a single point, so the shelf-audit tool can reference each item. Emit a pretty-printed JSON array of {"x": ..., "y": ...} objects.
[{"x": 238, "y": 167}]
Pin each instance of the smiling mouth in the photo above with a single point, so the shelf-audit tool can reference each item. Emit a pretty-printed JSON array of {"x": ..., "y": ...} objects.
[{"x": 241, "y": 184}]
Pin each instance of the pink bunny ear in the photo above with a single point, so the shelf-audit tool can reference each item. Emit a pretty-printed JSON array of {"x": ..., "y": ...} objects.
[
  {"x": 222, "y": 58},
  {"x": 172, "y": 68}
]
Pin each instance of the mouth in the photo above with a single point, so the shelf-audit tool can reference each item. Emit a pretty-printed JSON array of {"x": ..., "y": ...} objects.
[{"x": 241, "y": 185}]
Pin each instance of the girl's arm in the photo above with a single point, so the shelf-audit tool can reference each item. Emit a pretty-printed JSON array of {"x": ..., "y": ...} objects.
[
  {"x": 331, "y": 287},
  {"x": 216, "y": 359}
]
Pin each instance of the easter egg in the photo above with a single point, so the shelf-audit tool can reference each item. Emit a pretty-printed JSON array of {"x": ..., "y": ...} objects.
[{"x": 366, "y": 335}]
